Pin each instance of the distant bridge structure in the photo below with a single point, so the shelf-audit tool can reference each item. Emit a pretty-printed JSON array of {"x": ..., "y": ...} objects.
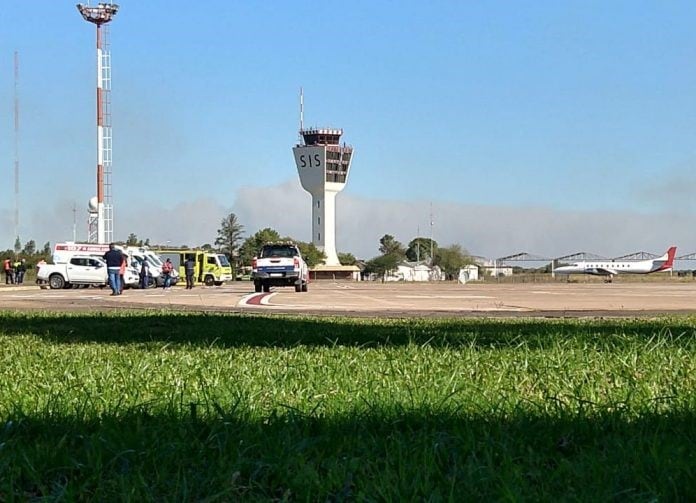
[
  {"x": 523, "y": 257},
  {"x": 579, "y": 257},
  {"x": 641, "y": 255}
]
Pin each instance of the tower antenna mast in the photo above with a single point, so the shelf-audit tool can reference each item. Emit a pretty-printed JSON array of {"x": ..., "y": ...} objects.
[
  {"x": 16, "y": 144},
  {"x": 301, "y": 112}
]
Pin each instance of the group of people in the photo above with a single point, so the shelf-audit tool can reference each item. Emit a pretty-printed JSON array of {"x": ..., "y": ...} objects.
[
  {"x": 14, "y": 271},
  {"x": 116, "y": 263}
]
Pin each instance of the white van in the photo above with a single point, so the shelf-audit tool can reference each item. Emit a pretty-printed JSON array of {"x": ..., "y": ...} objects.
[
  {"x": 154, "y": 261},
  {"x": 64, "y": 252}
]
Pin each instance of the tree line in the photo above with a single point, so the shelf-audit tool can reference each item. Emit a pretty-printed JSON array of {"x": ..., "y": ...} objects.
[
  {"x": 449, "y": 259},
  {"x": 230, "y": 241}
]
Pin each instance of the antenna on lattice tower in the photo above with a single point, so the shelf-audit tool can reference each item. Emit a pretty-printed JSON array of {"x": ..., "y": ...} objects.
[{"x": 16, "y": 144}]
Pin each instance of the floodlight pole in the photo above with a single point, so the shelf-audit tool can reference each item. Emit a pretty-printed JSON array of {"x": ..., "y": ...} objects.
[{"x": 102, "y": 218}]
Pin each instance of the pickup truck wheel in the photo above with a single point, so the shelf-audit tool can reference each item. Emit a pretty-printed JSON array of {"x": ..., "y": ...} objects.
[
  {"x": 56, "y": 282},
  {"x": 209, "y": 281},
  {"x": 298, "y": 287},
  {"x": 257, "y": 286},
  {"x": 266, "y": 287},
  {"x": 304, "y": 286}
]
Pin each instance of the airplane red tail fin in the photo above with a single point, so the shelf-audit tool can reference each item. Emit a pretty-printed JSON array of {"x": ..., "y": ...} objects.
[{"x": 670, "y": 257}]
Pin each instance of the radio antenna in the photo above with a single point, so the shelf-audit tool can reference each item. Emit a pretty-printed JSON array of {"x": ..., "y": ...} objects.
[{"x": 301, "y": 112}]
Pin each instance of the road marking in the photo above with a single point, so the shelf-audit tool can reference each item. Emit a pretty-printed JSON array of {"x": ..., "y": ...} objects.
[{"x": 256, "y": 299}]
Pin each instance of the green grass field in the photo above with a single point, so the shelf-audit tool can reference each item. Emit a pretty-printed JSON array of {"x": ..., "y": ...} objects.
[{"x": 201, "y": 407}]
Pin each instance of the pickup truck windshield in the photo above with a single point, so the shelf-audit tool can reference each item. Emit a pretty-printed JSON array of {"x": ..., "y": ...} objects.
[{"x": 278, "y": 251}]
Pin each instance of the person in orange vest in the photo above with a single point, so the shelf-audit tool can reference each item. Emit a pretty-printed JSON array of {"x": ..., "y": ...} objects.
[
  {"x": 9, "y": 272},
  {"x": 167, "y": 269}
]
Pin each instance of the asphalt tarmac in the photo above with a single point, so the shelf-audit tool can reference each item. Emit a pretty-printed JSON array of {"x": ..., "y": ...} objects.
[{"x": 381, "y": 299}]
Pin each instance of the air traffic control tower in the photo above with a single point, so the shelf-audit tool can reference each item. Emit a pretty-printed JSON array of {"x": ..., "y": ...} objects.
[{"x": 323, "y": 165}]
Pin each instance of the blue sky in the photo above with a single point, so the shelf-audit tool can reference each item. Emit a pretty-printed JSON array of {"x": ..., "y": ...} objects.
[{"x": 565, "y": 107}]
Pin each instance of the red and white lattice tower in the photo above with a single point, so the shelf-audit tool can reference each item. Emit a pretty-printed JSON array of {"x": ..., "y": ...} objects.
[{"x": 101, "y": 208}]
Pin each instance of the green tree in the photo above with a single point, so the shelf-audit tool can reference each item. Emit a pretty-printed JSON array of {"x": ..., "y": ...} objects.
[
  {"x": 206, "y": 246},
  {"x": 46, "y": 248},
  {"x": 347, "y": 259},
  {"x": 388, "y": 245},
  {"x": 132, "y": 240},
  {"x": 382, "y": 264},
  {"x": 17, "y": 245},
  {"x": 420, "y": 249},
  {"x": 29, "y": 248},
  {"x": 310, "y": 253},
  {"x": 147, "y": 242},
  {"x": 451, "y": 259},
  {"x": 229, "y": 235},
  {"x": 251, "y": 246}
]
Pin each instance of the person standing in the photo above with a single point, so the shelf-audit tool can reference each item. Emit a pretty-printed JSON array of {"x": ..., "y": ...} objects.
[
  {"x": 144, "y": 273},
  {"x": 122, "y": 273},
  {"x": 113, "y": 259},
  {"x": 9, "y": 274},
  {"x": 20, "y": 271},
  {"x": 167, "y": 269},
  {"x": 190, "y": 268}
]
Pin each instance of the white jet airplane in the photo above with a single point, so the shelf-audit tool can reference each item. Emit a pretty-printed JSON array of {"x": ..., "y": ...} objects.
[{"x": 612, "y": 267}]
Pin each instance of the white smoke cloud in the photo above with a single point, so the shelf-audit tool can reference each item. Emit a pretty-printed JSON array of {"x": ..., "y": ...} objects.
[{"x": 492, "y": 231}]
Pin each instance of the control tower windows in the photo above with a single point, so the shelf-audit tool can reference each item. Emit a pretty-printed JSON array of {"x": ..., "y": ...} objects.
[{"x": 336, "y": 171}]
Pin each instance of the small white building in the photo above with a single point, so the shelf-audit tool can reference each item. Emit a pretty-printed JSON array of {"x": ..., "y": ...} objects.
[
  {"x": 415, "y": 271},
  {"x": 490, "y": 267},
  {"x": 468, "y": 273}
]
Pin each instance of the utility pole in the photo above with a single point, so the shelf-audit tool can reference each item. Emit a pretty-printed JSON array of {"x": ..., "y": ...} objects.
[
  {"x": 16, "y": 144},
  {"x": 74, "y": 223},
  {"x": 431, "y": 233},
  {"x": 418, "y": 244}
]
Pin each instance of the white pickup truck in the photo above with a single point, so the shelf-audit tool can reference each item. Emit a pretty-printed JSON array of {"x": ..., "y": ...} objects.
[
  {"x": 79, "y": 270},
  {"x": 279, "y": 265},
  {"x": 63, "y": 252}
]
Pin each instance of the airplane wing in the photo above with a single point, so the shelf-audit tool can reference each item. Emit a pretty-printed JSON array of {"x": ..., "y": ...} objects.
[{"x": 606, "y": 271}]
